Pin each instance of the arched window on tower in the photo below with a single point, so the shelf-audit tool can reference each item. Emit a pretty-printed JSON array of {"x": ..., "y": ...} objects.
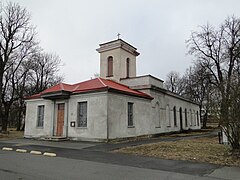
[
  {"x": 128, "y": 67},
  {"x": 110, "y": 66}
]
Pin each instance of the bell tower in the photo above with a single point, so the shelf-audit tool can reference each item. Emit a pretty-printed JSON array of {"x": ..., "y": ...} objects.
[{"x": 117, "y": 60}]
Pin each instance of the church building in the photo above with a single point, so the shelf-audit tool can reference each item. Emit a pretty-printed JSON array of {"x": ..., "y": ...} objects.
[{"x": 118, "y": 104}]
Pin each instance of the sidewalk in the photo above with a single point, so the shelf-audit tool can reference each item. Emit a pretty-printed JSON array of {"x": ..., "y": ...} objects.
[
  {"x": 100, "y": 146},
  {"x": 225, "y": 172}
]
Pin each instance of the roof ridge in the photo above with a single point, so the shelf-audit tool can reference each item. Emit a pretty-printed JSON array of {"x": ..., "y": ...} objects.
[
  {"x": 119, "y": 83},
  {"x": 65, "y": 84},
  {"x": 128, "y": 87},
  {"x": 61, "y": 85},
  {"x": 102, "y": 82}
]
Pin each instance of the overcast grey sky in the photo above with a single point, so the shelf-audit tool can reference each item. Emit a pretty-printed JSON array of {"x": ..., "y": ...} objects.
[{"x": 157, "y": 28}]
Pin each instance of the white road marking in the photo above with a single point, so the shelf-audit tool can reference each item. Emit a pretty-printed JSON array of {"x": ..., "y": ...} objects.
[
  {"x": 49, "y": 154},
  {"x": 21, "y": 150},
  {"x": 7, "y": 149},
  {"x": 36, "y": 152}
]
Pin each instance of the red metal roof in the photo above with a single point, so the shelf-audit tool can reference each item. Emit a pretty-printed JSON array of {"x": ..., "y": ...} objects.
[
  {"x": 58, "y": 87},
  {"x": 92, "y": 85}
]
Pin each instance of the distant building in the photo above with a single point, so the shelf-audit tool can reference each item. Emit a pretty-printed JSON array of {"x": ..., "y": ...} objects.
[{"x": 119, "y": 104}]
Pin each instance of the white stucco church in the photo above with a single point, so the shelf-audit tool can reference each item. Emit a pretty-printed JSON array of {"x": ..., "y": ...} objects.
[{"x": 118, "y": 104}]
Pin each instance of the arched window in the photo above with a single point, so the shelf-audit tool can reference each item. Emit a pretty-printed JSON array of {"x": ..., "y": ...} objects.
[
  {"x": 128, "y": 67},
  {"x": 180, "y": 118},
  {"x": 190, "y": 116},
  {"x": 194, "y": 118},
  {"x": 157, "y": 115},
  {"x": 168, "y": 118},
  {"x": 198, "y": 119},
  {"x": 175, "y": 115},
  {"x": 110, "y": 66},
  {"x": 186, "y": 123}
]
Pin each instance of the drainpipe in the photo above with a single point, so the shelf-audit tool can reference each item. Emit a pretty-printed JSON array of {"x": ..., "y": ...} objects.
[
  {"x": 67, "y": 118},
  {"x": 54, "y": 107}
]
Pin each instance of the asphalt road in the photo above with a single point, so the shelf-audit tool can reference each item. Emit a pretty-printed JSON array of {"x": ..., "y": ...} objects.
[
  {"x": 25, "y": 166},
  {"x": 84, "y": 160}
]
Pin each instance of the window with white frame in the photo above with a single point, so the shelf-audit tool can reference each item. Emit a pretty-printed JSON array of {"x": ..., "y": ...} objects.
[
  {"x": 130, "y": 114},
  {"x": 40, "y": 116},
  {"x": 82, "y": 114}
]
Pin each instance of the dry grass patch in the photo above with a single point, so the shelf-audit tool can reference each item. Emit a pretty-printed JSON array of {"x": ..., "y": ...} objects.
[
  {"x": 161, "y": 136},
  {"x": 191, "y": 133},
  {"x": 200, "y": 149},
  {"x": 12, "y": 134}
]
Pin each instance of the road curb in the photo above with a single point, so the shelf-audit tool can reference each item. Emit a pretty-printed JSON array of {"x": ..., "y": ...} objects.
[
  {"x": 7, "y": 149},
  {"x": 21, "y": 150},
  {"x": 31, "y": 152},
  {"x": 36, "y": 152},
  {"x": 49, "y": 154}
]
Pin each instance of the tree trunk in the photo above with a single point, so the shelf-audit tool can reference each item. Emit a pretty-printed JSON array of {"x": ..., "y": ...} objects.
[
  {"x": 4, "y": 123},
  {"x": 19, "y": 119},
  {"x": 23, "y": 127},
  {"x": 236, "y": 149},
  {"x": 205, "y": 118},
  {"x": 5, "y": 118}
]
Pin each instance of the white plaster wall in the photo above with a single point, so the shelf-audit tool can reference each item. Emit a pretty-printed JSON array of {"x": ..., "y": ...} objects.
[
  {"x": 143, "y": 81},
  {"x": 117, "y": 116},
  {"x": 150, "y": 116},
  {"x": 119, "y": 64},
  {"x": 31, "y": 129},
  {"x": 165, "y": 100},
  {"x": 96, "y": 117}
]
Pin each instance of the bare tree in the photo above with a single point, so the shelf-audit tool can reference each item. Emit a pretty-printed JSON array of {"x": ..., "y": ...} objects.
[
  {"x": 16, "y": 45},
  {"x": 43, "y": 72},
  {"x": 174, "y": 82},
  {"x": 199, "y": 89},
  {"x": 38, "y": 74},
  {"x": 218, "y": 50}
]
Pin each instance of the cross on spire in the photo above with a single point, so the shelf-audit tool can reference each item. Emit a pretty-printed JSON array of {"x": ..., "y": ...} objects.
[{"x": 118, "y": 35}]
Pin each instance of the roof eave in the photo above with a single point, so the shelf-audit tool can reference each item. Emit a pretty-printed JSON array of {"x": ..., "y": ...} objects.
[
  {"x": 131, "y": 94},
  {"x": 57, "y": 95}
]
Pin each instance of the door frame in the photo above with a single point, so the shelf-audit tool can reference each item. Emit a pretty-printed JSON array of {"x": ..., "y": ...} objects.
[{"x": 55, "y": 124}]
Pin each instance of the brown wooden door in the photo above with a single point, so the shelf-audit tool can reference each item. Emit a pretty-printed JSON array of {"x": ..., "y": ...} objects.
[{"x": 60, "y": 119}]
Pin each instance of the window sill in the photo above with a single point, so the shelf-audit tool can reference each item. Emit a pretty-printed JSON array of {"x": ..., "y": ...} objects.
[
  {"x": 158, "y": 127},
  {"x": 81, "y": 127},
  {"x": 131, "y": 126},
  {"x": 110, "y": 76},
  {"x": 38, "y": 127},
  {"x": 168, "y": 126}
]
